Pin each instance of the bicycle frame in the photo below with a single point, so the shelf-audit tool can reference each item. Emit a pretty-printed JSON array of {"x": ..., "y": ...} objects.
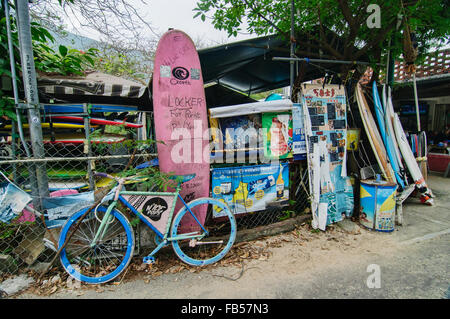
[{"x": 165, "y": 237}]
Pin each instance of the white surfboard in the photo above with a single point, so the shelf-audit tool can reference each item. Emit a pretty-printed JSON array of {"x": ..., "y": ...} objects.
[
  {"x": 389, "y": 113},
  {"x": 410, "y": 160}
]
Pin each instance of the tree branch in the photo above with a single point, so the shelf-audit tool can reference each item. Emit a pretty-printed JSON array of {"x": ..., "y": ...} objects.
[
  {"x": 381, "y": 35},
  {"x": 257, "y": 11},
  {"x": 348, "y": 15}
]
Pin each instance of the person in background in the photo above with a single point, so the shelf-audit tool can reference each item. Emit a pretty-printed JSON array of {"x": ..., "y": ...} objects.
[{"x": 440, "y": 137}]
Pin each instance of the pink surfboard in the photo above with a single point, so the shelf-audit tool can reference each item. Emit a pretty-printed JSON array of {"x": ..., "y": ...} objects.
[{"x": 180, "y": 115}]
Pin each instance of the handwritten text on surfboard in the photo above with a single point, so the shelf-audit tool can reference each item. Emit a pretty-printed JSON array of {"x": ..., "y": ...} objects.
[{"x": 183, "y": 110}]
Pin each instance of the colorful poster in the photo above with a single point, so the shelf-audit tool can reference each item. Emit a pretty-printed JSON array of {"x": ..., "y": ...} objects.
[
  {"x": 278, "y": 135},
  {"x": 61, "y": 208},
  {"x": 251, "y": 188},
  {"x": 326, "y": 122},
  {"x": 12, "y": 201},
  {"x": 377, "y": 205},
  {"x": 298, "y": 135},
  {"x": 241, "y": 132}
]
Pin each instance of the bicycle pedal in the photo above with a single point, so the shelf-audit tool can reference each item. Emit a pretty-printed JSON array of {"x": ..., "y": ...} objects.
[
  {"x": 148, "y": 260},
  {"x": 193, "y": 243}
]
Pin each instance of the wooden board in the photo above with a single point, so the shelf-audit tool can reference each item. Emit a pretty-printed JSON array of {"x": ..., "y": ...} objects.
[{"x": 180, "y": 115}]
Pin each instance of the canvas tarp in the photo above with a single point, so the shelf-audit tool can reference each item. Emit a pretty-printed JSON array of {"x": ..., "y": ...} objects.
[{"x": 251, "y": 108}]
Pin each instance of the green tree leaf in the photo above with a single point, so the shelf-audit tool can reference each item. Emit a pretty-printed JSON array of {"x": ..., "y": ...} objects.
[{"x": 62, "y": 50}]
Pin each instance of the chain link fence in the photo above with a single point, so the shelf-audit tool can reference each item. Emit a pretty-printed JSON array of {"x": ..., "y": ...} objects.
[{"x": 31, "y": 238}]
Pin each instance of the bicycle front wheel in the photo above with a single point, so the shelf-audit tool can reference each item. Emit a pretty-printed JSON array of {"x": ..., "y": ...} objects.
[
  {"x": 202, "y": 243},
  {"x": 104, "y": 261}
]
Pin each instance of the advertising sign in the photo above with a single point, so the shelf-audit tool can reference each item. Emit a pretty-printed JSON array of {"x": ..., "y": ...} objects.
[
  {"x": 278, "y": 134},
  {"x": 250, "y": 188},
  {"x": 298, "y": 135},
  {"x": 241, "y": 132},
  {"x": 378, "y": 205}
]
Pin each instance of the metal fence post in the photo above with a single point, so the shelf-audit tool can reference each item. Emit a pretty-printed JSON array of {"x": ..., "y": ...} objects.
[
  {"x": 87, "y": 146},
  {"x": 292, "y": 50},
  {"x": 14, "y": 80},
  {"x": 32, "y": 98}
]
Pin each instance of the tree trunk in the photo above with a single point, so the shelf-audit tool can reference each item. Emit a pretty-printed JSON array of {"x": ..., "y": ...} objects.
[{"x": 297, "y": 82}]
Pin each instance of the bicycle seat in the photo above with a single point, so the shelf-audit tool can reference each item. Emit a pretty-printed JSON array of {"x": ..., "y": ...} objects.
[{"x": 183, "y": 178}]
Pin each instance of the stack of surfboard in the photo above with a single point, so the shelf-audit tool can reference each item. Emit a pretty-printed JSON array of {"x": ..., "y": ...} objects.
[
  {"x": 60, "y": 126},
  {"x": 67, "y": 129},
  {"x": 391, "y": 147},
  {"x": 78, "y": 138}
]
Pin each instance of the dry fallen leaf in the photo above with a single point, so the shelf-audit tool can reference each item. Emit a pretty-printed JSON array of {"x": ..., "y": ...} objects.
[
  {"x": 245, "y": 255},
  {"x": 53, "y": 290}
]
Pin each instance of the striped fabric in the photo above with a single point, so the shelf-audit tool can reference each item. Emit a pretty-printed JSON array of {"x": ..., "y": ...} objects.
[{"x": 80, "y": 87}]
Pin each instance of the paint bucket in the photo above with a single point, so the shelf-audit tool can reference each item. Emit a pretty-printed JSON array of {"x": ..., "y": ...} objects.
[{"x": 377, "y": 205}]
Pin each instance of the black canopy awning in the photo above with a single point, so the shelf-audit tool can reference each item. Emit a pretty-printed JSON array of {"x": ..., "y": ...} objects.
[{"x": 248, "y": 66}]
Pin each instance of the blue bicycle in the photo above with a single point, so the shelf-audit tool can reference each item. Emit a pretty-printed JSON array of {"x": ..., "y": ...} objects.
[{"x": 100, "y": 243}]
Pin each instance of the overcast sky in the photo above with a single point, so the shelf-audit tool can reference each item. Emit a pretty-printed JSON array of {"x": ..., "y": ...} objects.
[{"x": 177, "y": 14}]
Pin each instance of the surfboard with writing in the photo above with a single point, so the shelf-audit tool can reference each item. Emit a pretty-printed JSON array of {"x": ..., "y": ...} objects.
[{"x": 180, "y": 115}]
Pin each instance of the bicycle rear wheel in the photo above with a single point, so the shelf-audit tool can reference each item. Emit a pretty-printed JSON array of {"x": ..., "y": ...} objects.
[
  {"x": 217, "y": 235},
  {"x": 105, "y": 260}
]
